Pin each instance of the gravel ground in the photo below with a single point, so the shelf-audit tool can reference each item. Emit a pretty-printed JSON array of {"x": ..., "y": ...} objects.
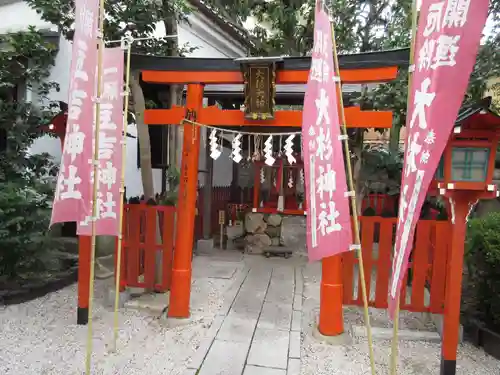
[
  {"x": 41, "y": 337},
  {"x": 353, "y": 359}
]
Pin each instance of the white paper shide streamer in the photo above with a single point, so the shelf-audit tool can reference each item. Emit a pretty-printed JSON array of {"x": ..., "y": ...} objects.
[
  {"x": 268, "y": 151},
  {"x": 289, "y": 149},
  {"x": 236, "y": 154},
  {"x": 215, "y": 153}
]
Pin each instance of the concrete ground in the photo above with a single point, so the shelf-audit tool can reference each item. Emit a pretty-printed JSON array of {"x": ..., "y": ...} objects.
[{"x": 250, "y": 315}]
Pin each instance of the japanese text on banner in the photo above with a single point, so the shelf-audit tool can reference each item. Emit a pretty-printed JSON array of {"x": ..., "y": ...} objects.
[
  {"x": 110, "y": 147},
  {"x": 447, "y": 40},
  {"x": 328, "y": 219},
  {"x": 72, "y": 196}
]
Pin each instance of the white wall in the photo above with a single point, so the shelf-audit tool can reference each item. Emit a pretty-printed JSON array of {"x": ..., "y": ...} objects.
[
  {"x": 201, "y": 33},
  {"x": 18, "y": 16}
]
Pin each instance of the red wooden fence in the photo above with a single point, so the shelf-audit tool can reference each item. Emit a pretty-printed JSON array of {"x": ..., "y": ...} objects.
[
  {"x": 428, "y": 264},
  {"x": 143, "y": 245},
  {"x": 379, "y": 202}
]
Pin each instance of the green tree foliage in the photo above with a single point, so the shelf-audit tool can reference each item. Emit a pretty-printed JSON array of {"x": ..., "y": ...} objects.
[
  {"x": 483, "y": 262},
  {"x": 286, "y": 27},
  {"x": 393, "y": 95},
  {"x": 26, "y": 180},
  {"x": 140, "y": 17}
]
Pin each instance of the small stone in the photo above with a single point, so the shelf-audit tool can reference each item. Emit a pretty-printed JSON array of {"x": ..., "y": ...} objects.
[
  {"x": 235, "y": 231},
  {"x": 274, "y": 220},
  {"x": 254, "y": 221},
  {"x": 293, "y": 232}
]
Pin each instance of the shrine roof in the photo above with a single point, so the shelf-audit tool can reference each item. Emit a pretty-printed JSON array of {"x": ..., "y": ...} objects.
[
  {"x": 478, "y": 115},
  {"x": 366, "y": 60}
]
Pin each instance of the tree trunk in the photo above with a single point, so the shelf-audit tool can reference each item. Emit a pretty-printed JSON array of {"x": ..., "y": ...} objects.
[
  {"x": 394, "y": 135},
  {"x": 142, "y": 136}
]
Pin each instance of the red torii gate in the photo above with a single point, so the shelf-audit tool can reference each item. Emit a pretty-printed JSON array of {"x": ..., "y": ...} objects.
[{"x": 373, "y": 67}]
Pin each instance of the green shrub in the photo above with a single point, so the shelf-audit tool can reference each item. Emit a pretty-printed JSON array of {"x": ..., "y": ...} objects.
[
  {"x": 482, "y": 257},
  {"x": 27, "y": 181}
]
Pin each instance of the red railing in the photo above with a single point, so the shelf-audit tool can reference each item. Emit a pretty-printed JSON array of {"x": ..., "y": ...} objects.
[
  {"x": 148, "y": 238},
  {"x": 379, "y": 202},
  {"x": 428, "y": 264}
]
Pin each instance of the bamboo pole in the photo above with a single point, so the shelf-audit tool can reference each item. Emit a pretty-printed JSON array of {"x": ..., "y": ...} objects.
[
  {"x": 128, "y": 43},
  {"x": 95, "y": 161},
  {"x": 350, "y": 182},
  {"x": 394, "y": 346}
]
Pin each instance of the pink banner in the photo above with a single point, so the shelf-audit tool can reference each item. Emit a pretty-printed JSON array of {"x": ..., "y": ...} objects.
[
  {"x": 73, "y": 191},
  {"x": 328, "y": 216},
  {"x": 111, "y": 138},
  {"x": 448, "y": 37}
]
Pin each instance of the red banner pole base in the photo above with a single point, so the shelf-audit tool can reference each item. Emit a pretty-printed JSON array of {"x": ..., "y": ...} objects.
[
  {"x": 82, "y": 316},
  {"x": 180, "y": 292},
  {"x": 448, "y": 366},
  {"x": 331, "y": 317}
]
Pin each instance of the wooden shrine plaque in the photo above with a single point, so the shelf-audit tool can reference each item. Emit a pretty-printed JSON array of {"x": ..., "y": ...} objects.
[
  {"x": 222, "y": 217},
  {"x": 260, "y": 90}
]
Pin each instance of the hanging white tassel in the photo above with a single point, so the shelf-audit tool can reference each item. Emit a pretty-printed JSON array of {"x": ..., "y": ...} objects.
[
  {"x": 262, "y": 176},
  {"x": 289, "y": 149},
  {"x": 236, "y": 154},
  {"x": 268, "y": 151},
  {"x": 290, "y": 181},
  {"x": 302, "y": 178},
  {"x": 214, "y": 147}
]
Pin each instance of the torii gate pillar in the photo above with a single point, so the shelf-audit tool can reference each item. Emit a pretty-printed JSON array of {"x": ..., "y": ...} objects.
[{"x": 180, "y": 291}]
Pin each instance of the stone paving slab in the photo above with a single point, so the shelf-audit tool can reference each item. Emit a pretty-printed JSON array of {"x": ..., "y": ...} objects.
[
  {"x": 215, "y": 271},
  {"x": 225, "y": 358},
  {"x": 275, "y": 316},
  {"x": 403, "y": 334},
  {"x": 283, "y": 275},
  {"x": 206, "y": 343},
  {"x": 294, "y": 345},
  {"x": 249, "y": 303},
  {"x": 231, "y": 294},
  {"x": 237, "y": 328},
  {"x": 299, "y": 281},
  {"x": 293, "y": 366},
  {"x": 255, "y": 370},
  {"x": 297, "y": 302},
  {"x": 297, "y": 320},
  {"x": 279, "y": 294},
  {"x": 269, "y": 348}
]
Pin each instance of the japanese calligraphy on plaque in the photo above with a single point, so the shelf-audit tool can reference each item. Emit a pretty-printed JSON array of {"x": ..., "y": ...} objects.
[{"x": 260, "y": 89}]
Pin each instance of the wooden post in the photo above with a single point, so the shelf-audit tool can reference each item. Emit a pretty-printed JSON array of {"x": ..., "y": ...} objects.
[
  {"x": 222, "y": 221},
  {"x": 207, "y": 196},
  {"x": 82, "y": 314},
  {"x": 180, "y": 290},
  {"x": 451, "y": 319},
  {"x": 331, "y": 317}
]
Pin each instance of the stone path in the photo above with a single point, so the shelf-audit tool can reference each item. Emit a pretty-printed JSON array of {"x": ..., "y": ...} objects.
[{"x": 258, "y": 329}]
